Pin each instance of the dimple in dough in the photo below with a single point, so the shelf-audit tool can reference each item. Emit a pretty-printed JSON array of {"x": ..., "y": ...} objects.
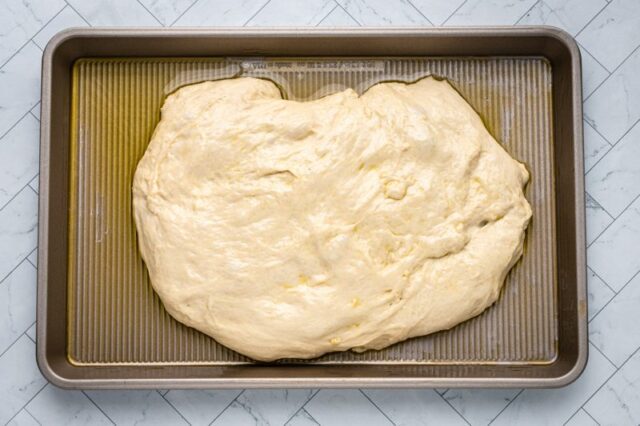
[{"x": 288, "y": 229}]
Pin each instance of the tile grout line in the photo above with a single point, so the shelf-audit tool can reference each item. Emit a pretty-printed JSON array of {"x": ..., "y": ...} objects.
[
  {"x": 227, "y": 407},
  {"x": 13, "y": 270},
  {"x": 603, "y": 155},
  {"x": 607, "y": 381},
  {"x": 335, "y": 6},
  {"x": 420, "y": 13},
  {"x": 327, "y": 15},
  {"x": 34, "y": 116},
  {"x": 255, "y": 14},
  {"x": 453, "y": 13},
  {"x": 32, "y": 324},
  {"x": 527, "y": 12},
  {"x": 572, "y": 416},
  {"x": 172, "y": 406},
  {"x": 44, "y": 26},
  {"x": 97, "y": 406},
  {"x": 612, "y": 222},
  {"x": 24, "y": 407},
  {"x": 376, "y": 405},
  {"x": 24, "y": 333},
  {"x": 611, "y": 73},
  {"x": 595, "y": 59},
  {"x": 41, "y": 50},
  {"x": 595, "y": 201},
  {"x": 602, "y": 353},
  {"x": 589, "y": 23},
  {"x": 150, "y": 13},
  {"x": 617, "y": 141},
  {"x": 601, "y": 279},
  {"x": 607, "y": 304},
  {"x": 506, "y": 406},
  {"x": 35, "y": 192},
  {"x": 15, "y": 124},
  {"x": 584, "y": 119},
  {"x": 17, "y": 193},
  {"x": 183, "y": 13},
  {"x": 79, "y": 14},
  {"x": 31, "y": 39},
  {"x": 613, "y": 218},
  {"x": 452, "y": 407},
  {"x": 302, "y": 407},
  {"x": 585, "y": 122},
  {"x": 350, "y": 15},
  {"x": 590, "y": 416},
  {"x": 30, "y": 415},
  {"x": 310, "y": 416}
]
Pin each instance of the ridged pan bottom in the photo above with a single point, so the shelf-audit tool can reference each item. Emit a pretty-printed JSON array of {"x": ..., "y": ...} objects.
[{"x": 115, "y": 317}]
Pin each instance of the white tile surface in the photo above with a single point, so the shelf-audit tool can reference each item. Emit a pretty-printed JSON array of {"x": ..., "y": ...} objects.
[
  {"x": 21, "y": 379},
  {"x": 66, "y": 19},
  {"x": 23, "y": 418},
  {"x": 437, "y": 11},
  {"x": 21, "y": 20},
  {"x": 615, "y": 106},
  {"x": 556, "y": 406},
  {"x": 34, "y": 184},
  {"x": 615, "y": 329},
  {"x": 227, "y": 12},
  {"x": 615, "y": 255},
  {"x": 33, "y": 257},
  {"x": 490, "y": 12},
  {"x": 618, "y": 402},
  {"x": 302, "y": 418},
  {"x": 615, "y": 181},
  {"x": 20, "y": 82},
  {"x": 581, "y": 418},
  {"x": 613, "y": 34},
  {"x": 36, "y": 111},
  {"x": 17, "y": 304},
  {"x": 480, "y": 406},
  {"x": 595, "y": 146},
  {"x": 268, "y": 407},
  {"x": 593, "y": 74},
  {"x": 31, "y": 332},
  {"x": 612, "y": 107},
  {"x": 284, "y": 13},
  {"x": 338, "y": 18},
  {"x": 18, "y": 230},
  {"x": 55, "y": 406},
  {"x": 422, "y": 406},
  {"x": 200, "y": 407},
  {"x": 167, "y": 11},
  {"x": 599, "y": 293},
  {"x": 570, "y": 15},
  {"x": 597, "y": 218},
  {"x": 19, "y": 154},
  {"x": 143, "y": 407},
  {"x": 114, "y": 12},
  {"x": 344, "y": 406},
  {"x": 383, "y": 12}
]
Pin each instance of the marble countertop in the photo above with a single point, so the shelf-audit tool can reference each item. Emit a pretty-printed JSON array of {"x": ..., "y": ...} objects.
[{"x": 608, "y": 392}]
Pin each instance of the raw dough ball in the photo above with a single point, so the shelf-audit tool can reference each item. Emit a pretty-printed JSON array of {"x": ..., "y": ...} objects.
[{"x": 292, "y": 229}]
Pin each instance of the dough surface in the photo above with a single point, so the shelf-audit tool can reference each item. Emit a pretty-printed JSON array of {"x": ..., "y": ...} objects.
[{"x": 288, "y": 229}]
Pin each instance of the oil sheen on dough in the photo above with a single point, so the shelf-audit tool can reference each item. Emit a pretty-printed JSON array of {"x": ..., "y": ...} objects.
[{"x": 288, "y": 229}]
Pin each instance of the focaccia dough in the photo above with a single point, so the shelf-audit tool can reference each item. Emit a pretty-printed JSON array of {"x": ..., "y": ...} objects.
[{"x": 292, "y": 229}]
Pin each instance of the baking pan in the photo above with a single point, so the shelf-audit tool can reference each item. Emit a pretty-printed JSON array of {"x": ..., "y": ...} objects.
[{"x": 100, "y": 325}]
